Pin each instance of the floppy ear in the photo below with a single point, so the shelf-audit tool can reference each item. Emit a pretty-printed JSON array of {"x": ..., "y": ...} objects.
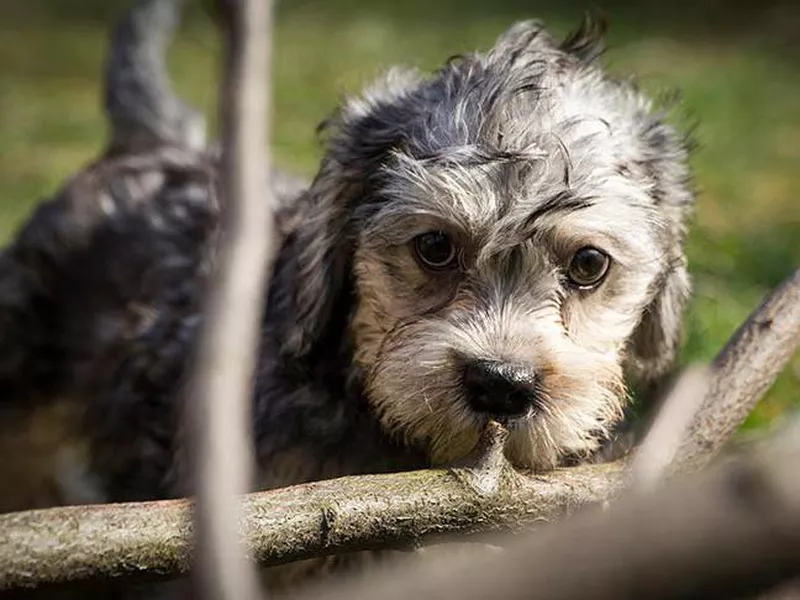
[
  {"x": 656, "y": 341},
  {"x": 314, "y": 290},
  {"x": 316, "y": 259}
]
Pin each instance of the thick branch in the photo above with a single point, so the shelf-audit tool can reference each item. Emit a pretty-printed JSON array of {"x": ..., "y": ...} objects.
[
  {"x": 221, "y": 387},
  {"x": 743, "y": 371},
  {"x": 352, "y": 513}
]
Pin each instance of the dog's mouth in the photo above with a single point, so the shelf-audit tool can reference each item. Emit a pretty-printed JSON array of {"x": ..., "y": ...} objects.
[
  {"x": 516, "y": 421},
  {"x": 511, "y": 420}
]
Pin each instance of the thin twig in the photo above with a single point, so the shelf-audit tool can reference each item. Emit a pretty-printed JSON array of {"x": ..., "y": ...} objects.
[{"x": 221, "y": 389}]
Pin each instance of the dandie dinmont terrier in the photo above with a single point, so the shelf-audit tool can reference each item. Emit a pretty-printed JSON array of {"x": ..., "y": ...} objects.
[{"x": 501, "y": 239}]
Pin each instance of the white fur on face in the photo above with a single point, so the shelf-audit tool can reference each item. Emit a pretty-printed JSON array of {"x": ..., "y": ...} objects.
[{"x": 415, "y": 386}]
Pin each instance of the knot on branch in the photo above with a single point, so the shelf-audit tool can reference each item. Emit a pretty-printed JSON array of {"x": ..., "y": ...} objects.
[
  {"x": 484, "y": 469},
  {"x": 328, "y": 516}
]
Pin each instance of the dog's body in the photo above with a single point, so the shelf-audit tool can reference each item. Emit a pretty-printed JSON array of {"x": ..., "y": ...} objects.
[{"x": 502, "y": 239}]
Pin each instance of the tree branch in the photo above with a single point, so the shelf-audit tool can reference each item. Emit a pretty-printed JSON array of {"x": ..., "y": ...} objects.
[
  {"x": 352, "y": 513},
  {"x": 743, "y": 371},
  {"x": 220, "y": 392},
  {"x": 657, "y": 451}
]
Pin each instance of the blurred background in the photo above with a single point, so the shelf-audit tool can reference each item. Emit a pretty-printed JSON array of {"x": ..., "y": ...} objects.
[{"x": 736, "y": 65}]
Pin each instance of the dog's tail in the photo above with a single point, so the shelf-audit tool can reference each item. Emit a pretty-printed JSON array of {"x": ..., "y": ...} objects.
[{"x": 140, "y": 102}]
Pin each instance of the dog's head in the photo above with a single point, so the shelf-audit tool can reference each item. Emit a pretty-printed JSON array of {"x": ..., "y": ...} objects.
[{"x": 512, "y": 230}]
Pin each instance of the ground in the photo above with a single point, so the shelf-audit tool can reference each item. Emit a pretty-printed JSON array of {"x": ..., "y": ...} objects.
[{"x": 736, "y": 66}]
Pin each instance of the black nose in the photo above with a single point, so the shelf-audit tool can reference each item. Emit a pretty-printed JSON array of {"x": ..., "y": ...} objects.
[{"x": 499, "y": 388}]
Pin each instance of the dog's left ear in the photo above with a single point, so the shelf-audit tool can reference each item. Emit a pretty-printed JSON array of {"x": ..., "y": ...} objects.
[{"x": 655, "y": 343}]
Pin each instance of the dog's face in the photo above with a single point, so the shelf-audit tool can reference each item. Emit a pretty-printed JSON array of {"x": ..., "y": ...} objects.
[{"x": 513, "y": 229}]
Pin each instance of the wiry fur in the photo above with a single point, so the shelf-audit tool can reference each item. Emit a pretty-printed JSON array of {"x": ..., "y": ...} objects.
[{"x": 523, "y": 154}]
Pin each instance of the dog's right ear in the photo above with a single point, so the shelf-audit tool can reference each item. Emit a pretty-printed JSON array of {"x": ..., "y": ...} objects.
[
  {"x": 315, "y": 263},
  {"x": 315, "y": 259}
]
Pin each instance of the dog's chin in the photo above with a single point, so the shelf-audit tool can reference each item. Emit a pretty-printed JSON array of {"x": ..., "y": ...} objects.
[
  {"x": 537, "y": 439},
  {"x": 447, "y": 429},
  {"x": 421, "y": 400},
  {"x": 521, "y": 450}
]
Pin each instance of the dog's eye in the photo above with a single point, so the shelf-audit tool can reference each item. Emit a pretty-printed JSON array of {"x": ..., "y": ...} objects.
[
  {"x": 588, "y": 267},
  {"x": 435, "y": 250}
]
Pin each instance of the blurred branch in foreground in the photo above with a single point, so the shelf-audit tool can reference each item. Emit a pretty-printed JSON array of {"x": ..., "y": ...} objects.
[
  {"x": 220, "y": 391},
  {"x": 658, "y": 449}
]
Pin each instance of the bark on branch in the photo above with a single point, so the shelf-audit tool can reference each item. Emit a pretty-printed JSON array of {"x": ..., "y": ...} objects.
[{"x": 354, "y": 513}]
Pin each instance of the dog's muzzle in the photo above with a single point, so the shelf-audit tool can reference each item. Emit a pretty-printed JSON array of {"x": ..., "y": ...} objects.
[{"x": 499, "y": 388}]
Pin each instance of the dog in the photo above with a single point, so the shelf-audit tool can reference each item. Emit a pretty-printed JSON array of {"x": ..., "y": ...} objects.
[{"x": 501, "y": 239}]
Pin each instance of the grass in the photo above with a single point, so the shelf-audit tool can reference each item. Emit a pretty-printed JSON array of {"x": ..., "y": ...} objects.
[{"x": 742, "y": 87}]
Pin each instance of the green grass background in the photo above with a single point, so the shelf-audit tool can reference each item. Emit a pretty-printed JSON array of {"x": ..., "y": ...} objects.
[{"x": 736, "y": 65}]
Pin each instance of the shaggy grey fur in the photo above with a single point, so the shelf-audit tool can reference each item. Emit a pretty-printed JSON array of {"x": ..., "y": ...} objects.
[{"x": 522, "y": 155}]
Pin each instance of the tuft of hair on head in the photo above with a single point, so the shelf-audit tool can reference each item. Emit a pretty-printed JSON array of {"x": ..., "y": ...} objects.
[
  {"x": 143, "y": 109},
  {"x": 587, "y": 42}
]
